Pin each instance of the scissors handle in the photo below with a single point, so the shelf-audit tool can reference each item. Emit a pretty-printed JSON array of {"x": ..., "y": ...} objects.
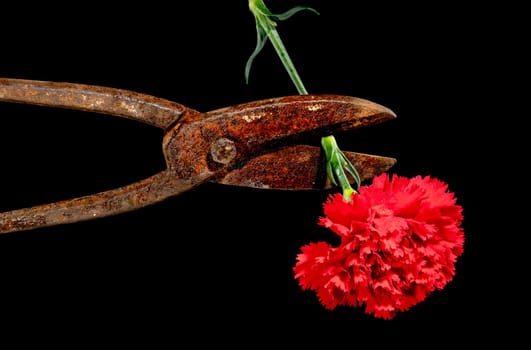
[
  {"x": 147, "y": 109},
  {"x": 116, "y": 201}
]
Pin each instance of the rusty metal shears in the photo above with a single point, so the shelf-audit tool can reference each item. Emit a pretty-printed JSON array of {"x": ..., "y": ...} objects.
[{"x": 251, "y": 144}]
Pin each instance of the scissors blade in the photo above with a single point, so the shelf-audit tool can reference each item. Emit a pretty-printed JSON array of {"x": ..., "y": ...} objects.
[{"x": 300, "y": 167}]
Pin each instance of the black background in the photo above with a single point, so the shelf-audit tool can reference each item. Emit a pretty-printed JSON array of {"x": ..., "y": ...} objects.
[{"x": 215, "y": 264}]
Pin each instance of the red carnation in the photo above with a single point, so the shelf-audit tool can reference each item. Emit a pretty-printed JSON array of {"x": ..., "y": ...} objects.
[{"x": 400, "y": 239}]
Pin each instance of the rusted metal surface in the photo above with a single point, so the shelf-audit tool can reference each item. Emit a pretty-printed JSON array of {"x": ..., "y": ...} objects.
[
  {"x": 135, "y": 196},
  {"x": 300, "y": 167},
  {"x": 244, "y": 145},
  {"x": 121, "y": 103},
  {"x": 262, "y": 126}
]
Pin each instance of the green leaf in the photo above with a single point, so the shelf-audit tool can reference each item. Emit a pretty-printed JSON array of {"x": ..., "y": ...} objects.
[
  {"x": 289, "y": 13},
  {"x": 330, "y": 173},
  {"x": 351, "y": 169},
  {"x": 261, "y": 40}
]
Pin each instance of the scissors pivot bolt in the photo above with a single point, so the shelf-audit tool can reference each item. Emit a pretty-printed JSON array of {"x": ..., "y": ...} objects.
[{"x": 223, "y": 151}]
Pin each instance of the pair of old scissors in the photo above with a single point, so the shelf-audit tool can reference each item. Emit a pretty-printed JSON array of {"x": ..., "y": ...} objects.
[{"x": 252, "y": 144}]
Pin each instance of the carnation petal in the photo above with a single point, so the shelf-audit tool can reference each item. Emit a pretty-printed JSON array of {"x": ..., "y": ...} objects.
[{"x": 400, "y": 239}]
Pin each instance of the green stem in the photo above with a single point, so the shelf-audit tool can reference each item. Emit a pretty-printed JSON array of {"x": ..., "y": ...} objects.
[
  {"x": 337, "y": 162},
  {"x": 286, "y": 60},
  {"x": 269, "y": 26}
]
